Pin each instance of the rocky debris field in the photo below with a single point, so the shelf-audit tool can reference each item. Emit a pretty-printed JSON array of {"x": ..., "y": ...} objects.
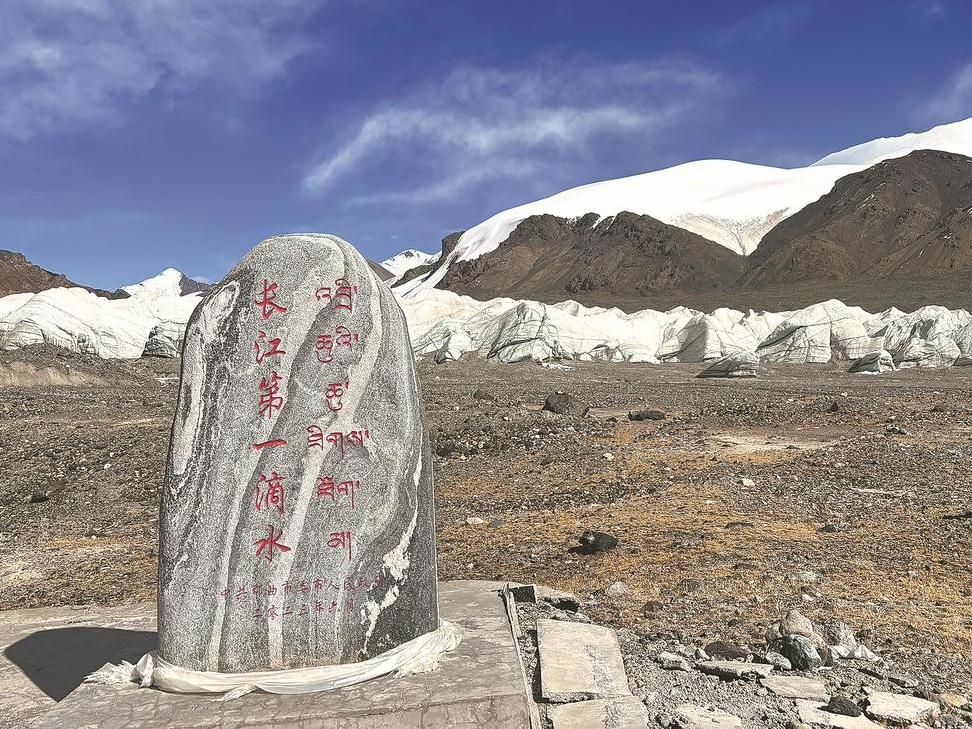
[
  {"x": 728, "y": 685},
  {"x": 730, "y": 502}
]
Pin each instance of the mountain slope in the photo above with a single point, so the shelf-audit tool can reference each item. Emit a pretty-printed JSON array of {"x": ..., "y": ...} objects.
[
  {"x": 731, "y": 203},
  {"x": 551, "y": 259},
  {"x": 905, "y": 217},
  {"x": 19, "y": 276}
]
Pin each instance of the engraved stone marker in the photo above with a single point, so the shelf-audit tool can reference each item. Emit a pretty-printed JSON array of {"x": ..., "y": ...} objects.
[{"x": 297, "y": 520}]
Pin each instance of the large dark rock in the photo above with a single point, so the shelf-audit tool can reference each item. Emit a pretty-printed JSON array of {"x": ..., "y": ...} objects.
[
  {"x": 563, "y": 403},
  {"x": 843, "y": 705},
  {"x": 801, "y": 652},
  {"x": 591, "y": 542},
  {"x": 297, "y": 518},
  {"x": 638, "y": 415}
]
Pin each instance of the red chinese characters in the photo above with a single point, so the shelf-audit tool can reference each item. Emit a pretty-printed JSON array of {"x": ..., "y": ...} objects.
[
  {"x": 271, "y": 542},
  {"x": 328, "y": 488},
  {"x": 268, "y": 302},
  {"x": 270, "y": 492},
  {"x": 325, "y": 344},
  {"x": 266, "y": 346},
  {"x": 270, "y": 401},
  {"x": 341, "y": 294},
  {"x": 302, "y": 587}
]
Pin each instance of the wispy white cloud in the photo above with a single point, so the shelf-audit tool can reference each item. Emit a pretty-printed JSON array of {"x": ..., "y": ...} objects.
[
  {"x": 930, "y": 9},
  {"x": 777, "y": 21},
  {"x": 71, "y": 62},
  {"x": 479, "y": 125},
  {"x": 954, "y": 100}
]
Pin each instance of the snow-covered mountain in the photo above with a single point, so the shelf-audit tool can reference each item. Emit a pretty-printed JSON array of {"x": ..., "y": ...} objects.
[
  {"x": 732, "y": 203},
  {"x": 409, "y": 258},
  {"x": 171, "y": 282},
  {"x": 149, "y": 321}
]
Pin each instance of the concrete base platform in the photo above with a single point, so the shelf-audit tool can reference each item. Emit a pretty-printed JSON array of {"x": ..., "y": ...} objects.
[{"x": 478, "y": 685}]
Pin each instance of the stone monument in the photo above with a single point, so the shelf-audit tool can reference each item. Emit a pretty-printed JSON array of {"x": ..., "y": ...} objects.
[{"x": 297, "y": 522}]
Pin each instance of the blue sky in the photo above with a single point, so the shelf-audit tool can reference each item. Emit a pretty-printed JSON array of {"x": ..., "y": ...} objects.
[{"x": 141, "y": 134}]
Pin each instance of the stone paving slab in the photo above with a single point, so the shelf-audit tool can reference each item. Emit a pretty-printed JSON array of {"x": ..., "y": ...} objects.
[
  {"x": 797, "y": 687},
  {"x": 579, "y": 662},
  {"x": 478, "y": 685},
  {"x": 45, "y": 652},
  {"x": 624, "y": 712},
  {"x": 693, "y": 716},
  {"x": 899, "y": 709}
]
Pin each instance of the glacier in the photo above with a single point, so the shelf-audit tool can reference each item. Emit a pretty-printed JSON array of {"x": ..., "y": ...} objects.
[{"x": 446, "y": 326}]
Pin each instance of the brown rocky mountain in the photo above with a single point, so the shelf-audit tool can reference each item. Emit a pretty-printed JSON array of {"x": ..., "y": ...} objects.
[
  {"x": 551, "y": 258},
  {"x": 19, "y": 276},
  {"x": 896, "y": 234},
  {"x": 902, "y": 218}
]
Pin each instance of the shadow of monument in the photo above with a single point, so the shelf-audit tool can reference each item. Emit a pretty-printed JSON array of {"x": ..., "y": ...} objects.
[{"x": 57, "y": 660}]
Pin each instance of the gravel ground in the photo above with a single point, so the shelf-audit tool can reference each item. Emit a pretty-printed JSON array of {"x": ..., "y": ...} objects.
[{"x": 846, "y": 496}]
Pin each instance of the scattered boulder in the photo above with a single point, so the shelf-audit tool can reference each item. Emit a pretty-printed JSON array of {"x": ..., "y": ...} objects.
[
  {"x": 811, "y": 712},
  {"x": 475, "y": 521},
  {"x": 801, "y": 652},
  {"x": 728, "y": 650},
  {"x": 484, "y": 396},
  {"x": 673, "y": 662},
  {"x": 592, "y": 542},
  {"x": 844, "y": 705},
  {"x": 739, "y": 364},
  {"x": 563, "y": 403},
  {"x": 835, "y": 632},
  {"x": 777, "y": 660},
  {"x": 796, "y": 623},
  {"x": 639, "y": 415}
]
